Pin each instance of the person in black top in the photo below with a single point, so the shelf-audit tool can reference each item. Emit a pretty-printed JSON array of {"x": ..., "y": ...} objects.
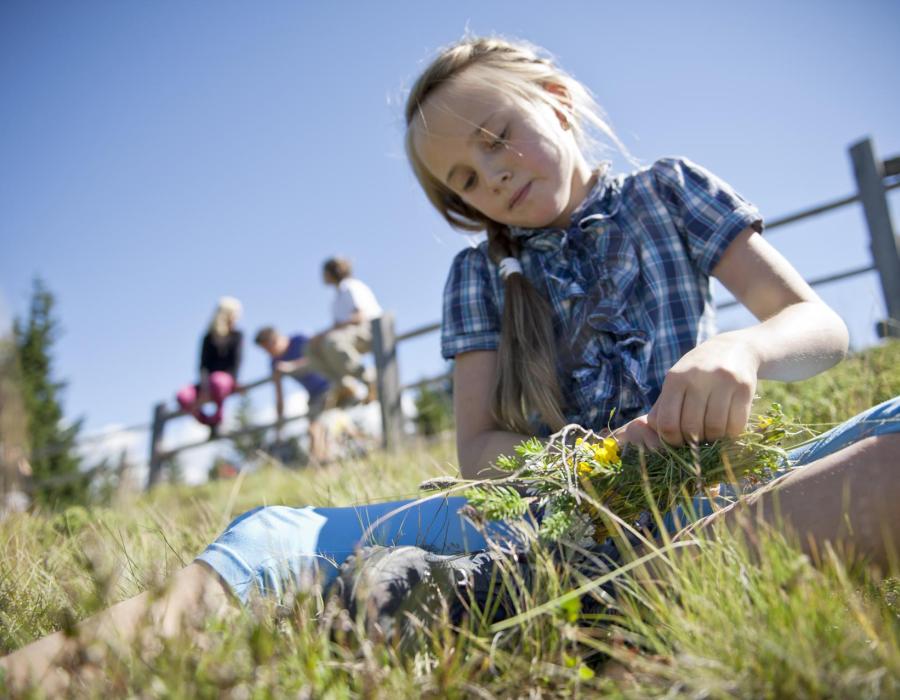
[{"x": 220, "y": 359}]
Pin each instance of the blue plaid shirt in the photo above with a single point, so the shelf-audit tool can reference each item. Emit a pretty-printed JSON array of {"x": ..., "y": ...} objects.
[{"x": 628, "y": 283}]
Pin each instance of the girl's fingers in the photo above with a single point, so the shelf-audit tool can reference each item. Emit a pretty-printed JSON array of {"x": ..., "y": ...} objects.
[
  {"x": 665, "y": 416},
  {"x": 650, "y": 439},
  {"x": 647, "y": 436},
  {"x": 739, "y": 414},
  {"x": 693, "y": 412},
  {"x": 718, "y": 414},
  {"x": 638, "y": 433}
]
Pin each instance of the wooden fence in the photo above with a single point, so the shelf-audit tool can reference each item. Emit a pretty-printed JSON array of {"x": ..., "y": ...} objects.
[{"x": 874, "y": 178}]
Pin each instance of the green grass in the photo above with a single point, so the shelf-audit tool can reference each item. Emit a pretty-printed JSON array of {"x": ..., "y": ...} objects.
[{"x": 716, "y": 623}]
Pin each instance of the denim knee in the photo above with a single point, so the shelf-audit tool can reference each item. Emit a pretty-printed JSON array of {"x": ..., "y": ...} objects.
[
  {"x": 270, "y": 549},
  {"x": 878, "y": 420}
]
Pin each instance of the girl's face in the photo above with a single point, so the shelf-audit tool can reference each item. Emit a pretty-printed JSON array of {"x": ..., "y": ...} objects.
[{"x": 516, "y": 162}]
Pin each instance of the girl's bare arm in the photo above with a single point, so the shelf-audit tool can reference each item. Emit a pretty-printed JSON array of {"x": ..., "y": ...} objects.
[
  {"x": 798, "y": 334},
  {"x": 479, "y": 441},
  {"x": 707, "y": 394}
]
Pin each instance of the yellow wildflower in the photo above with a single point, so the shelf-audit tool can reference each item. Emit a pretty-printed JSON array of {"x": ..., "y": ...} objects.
[
  {"x": 612, "y": 448},
  {"x": 584, "y": 469},
  {"x": 578, "y": 442}
]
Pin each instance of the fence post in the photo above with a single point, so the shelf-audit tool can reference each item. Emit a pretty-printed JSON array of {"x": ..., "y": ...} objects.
[
  {"x": 384, "y": 347},
  {"x": 869, "y": 173},
  {"x": 156, "y": 434}
]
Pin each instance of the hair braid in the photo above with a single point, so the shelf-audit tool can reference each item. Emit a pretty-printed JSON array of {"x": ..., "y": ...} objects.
[{"x": 527, "y": 379}]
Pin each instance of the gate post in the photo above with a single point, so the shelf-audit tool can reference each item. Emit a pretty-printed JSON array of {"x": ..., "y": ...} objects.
[
  {"x": 384, "y": 347},
  {"x": 869, "y": 173},
  {"x": 156, "y": 434}
]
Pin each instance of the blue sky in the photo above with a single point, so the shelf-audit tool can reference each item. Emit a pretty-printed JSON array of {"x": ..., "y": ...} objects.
[{"x": 154, "y": 156}]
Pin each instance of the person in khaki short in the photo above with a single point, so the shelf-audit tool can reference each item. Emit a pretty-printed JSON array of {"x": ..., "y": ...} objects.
[{"x": 337, "y": 352}]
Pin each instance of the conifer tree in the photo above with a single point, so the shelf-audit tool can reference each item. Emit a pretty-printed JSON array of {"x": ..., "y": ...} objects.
[
  {"x": 247, "y": 445},
  {"x": 13, "y": 440},
  {"x": 54, "y": 461}
]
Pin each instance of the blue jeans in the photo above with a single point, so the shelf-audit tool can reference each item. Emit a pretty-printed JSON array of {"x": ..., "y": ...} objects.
[{"x": 274, "y": 547}]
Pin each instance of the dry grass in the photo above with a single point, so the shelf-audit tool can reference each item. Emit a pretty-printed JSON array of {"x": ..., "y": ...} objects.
[{"x": 717, "y": 624}]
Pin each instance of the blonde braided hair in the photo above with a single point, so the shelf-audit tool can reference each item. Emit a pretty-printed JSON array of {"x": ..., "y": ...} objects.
[{"x": 527, "y": 379}]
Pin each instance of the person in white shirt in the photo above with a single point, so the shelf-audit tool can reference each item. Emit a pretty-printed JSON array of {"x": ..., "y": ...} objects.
[{"x": 337, "y": 352}]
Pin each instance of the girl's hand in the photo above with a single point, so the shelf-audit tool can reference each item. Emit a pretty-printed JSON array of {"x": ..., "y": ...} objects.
[
  {"x": 707, "y": 393},
  {"x": 637, "y": 432}
]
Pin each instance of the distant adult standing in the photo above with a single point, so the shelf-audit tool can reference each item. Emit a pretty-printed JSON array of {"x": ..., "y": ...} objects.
[
  {"x": 220, "y": 359},
  {"x": 337, "y": 352}
]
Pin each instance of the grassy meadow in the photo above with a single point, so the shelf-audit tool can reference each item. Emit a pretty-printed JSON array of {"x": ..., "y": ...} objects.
[{"x": 716, "y": 624}]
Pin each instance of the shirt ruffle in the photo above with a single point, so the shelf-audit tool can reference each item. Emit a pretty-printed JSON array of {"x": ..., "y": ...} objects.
[{"x": 604, "y": 346}]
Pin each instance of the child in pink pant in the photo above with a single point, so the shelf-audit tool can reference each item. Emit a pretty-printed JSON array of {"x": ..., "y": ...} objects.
[
  {"x": 191, "y": 397},
  {"x": 220, "y": 358}
]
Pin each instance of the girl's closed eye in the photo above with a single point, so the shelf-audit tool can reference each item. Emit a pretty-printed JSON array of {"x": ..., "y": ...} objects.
[
  {"x": 500, "y": 140},
  {"x": 493, "y": 142}
]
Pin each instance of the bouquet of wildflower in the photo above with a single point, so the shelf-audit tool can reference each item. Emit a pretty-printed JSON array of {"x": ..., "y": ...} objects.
[{"x": 577, "y": 475}]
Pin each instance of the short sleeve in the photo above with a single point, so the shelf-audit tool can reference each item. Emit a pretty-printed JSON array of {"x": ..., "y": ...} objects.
[
  {"x": 707, "y": 211},
  {"x": 471, "y": 320},
  {"x": 364, "y": 299},
  {"x": 342, "y": 307}
]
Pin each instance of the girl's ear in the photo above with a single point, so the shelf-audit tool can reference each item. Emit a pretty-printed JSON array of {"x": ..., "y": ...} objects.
[{"x": 564, "y": 114}]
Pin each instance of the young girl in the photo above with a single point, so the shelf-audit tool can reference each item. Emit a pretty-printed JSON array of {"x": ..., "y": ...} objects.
[
  {"x": 591, "y": 294},
  {"x": 220, "y": 360}
]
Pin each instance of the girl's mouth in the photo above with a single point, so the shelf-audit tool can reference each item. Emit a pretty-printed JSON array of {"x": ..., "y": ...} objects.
[{"x": 520, "y": 194}]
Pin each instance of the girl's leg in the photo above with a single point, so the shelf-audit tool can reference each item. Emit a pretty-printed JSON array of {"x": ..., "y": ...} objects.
[
  {"x": 270, "y": 550},
  {"x": 319, "y": 451},
  {"x": 193, "y": 592},
  {"x": 847, "y": 498},
  {"x": 265, "y": 550},
  {"x": 221, "y": 385},
  {"x": 878, "y": 420},
  {"x": 882, "y": 419},
  {"x": 187, "y": 398},
  {"x": 191, "y": 400}
]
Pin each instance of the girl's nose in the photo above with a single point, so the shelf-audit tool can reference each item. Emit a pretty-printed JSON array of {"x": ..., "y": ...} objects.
[{"x": 499, "y": 179}]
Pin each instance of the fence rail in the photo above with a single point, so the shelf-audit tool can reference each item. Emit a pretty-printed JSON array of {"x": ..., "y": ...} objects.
[{"x": 874, "y": 178}]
